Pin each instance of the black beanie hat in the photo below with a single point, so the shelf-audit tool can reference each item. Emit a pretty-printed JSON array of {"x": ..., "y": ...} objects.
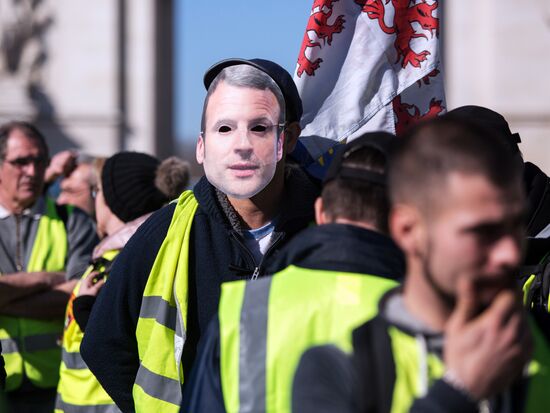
[{"x": 128, "y": 184}]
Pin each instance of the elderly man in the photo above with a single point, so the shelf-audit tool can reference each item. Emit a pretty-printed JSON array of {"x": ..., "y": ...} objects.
[
  {"x": 42, "y": 247},
  {"x": 455, "y": 338},
  {"x": 164, "y": 287}
]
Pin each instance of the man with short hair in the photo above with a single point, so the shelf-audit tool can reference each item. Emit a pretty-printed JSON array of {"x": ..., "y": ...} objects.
[
  {"x": 164, "y": 287},
  {"x": 78, "y": 186},
  {"x": 455, "y": 338},
  {"x": 42, "y": 248},
  {"x": 333, "y": 276}
]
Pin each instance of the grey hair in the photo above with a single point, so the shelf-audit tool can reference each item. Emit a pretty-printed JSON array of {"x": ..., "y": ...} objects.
[
  {"x": 245, "y": 76},
  {"x": 28, "y": 129}
]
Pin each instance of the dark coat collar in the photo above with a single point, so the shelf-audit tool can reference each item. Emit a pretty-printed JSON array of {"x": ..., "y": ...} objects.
[{"x": 341, "y": 247}]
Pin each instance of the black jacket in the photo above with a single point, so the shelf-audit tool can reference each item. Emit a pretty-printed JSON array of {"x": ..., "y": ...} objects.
[
  {"x": 537, "y": 187},
  {"x": 335, "y": 247},
  {"x": 2, "y": 370},
  {"x": 217, "y": 254}
]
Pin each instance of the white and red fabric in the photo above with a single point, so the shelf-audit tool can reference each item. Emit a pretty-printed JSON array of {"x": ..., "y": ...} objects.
[{"x": 367, "y": 65}]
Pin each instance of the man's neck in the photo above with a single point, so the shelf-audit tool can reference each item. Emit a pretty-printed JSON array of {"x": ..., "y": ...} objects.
[
  {"x": 12, "y": 206},
  {"x": 422, "y": 301},
  {"x": 361, "y": 224},
  {"x": 263, "y": 207}
]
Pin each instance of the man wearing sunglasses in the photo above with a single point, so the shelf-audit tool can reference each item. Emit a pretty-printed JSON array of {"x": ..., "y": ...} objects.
[{"x": 42, "y": 247}]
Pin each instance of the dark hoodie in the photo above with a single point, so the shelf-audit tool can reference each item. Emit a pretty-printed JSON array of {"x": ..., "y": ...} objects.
[
  {"x": 334, "y": 247},
  {"x": 217, "y": 254},
  {"x": 537, "y": 186}
]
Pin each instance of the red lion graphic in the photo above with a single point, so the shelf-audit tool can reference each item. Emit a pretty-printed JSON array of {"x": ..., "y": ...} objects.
[
  {"x": 427, "y": 79},
  {"x": 404, "y": 117},
  {"x": 406, "y": 13},
  {"x": 321, "y": 11}
]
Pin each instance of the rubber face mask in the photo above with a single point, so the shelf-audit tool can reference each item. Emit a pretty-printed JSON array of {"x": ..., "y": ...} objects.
[
  {"x": 246, "y": 171},
  {"x": 242, "y": 142}
]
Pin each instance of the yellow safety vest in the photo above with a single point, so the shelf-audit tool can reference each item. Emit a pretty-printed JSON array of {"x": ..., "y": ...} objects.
[
  {"x": 31, "y": 347},
  {"x": 78, "y": 389},
  {"x": 416, "y": 369},
  {"x": 160, "y": 331},
  {"x": 266, "y": 325}
]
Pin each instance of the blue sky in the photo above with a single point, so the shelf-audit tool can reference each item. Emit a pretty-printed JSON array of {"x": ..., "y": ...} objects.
[{"x": 208, "y": 31}]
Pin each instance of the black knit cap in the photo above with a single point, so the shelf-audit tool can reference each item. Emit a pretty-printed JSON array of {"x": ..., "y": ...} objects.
[
  {"x": 489, "y": 120},
  {"x": 279, "y": 75},
  {"x": 382, "y": 141},
  {"x": 128, "y": 184}
]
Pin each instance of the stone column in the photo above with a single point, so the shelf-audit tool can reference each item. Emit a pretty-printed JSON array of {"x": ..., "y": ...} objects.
[
  {"x": 496, "y": 55},
  {"x": 93, "y": 76}
]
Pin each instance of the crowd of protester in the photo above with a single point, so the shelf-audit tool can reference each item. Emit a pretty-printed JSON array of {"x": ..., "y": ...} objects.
[{"x": 413, "y": 278}]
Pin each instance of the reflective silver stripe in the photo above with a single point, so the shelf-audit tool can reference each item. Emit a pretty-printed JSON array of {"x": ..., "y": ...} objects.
[
  {"x": 41, "y": 342},
  {"x": 9, "y": 346},
  {"x": 159, "y": 387},
  {"x": 73, "y": 408},
  {"x": 253, "y": 346},
  {"x": 73, "y": 360},
  {"x": 159, "y": 309}
]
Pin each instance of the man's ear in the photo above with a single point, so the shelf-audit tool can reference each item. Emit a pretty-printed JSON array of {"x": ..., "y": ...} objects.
[
  {"x": 199, "y": 151},
  {"x": 407, "y": 228},
  {"x": 292, "y": 132},
  {"x": 320, "y": 216}
]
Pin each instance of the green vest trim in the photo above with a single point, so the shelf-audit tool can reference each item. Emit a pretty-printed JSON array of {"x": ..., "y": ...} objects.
[
  {"x": 30, "y": 347},
  {"x": 160, "y": 331},
  {"x": 78, "y": 389},
  {"x": 262, "y": 338}
]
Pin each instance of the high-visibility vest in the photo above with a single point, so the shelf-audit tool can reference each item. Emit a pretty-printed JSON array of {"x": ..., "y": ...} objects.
[
  {"x": 536, "y": 285},
  {"x": 78, "y": 389},
  {"x": 416, "y": 369},
  {"x": 266, "y": 325},
  {"x": 31, "y": 347},
  {"x": 161, "y": 326}
]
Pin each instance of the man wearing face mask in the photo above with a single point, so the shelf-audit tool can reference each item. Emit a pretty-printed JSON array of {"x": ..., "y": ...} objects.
[{"x": 165, "y": 286}]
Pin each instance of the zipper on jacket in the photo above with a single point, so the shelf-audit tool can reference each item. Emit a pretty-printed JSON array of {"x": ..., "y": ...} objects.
[
  {"x": 257, "y": 267},
  {"x": 18, "y": 244},
  {"x": 276, "y": 240},
  {"x": 244, "y": 247}
]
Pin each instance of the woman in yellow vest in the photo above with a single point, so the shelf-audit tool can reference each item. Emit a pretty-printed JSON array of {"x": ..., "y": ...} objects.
[{"x": 132, "y": 186}]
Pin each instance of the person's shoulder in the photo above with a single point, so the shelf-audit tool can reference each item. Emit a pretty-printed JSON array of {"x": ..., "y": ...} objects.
[
  {"x": 332, "y": 371},
  {"x": 321, "y": 357},
  {"x": 155, "y": 227}
]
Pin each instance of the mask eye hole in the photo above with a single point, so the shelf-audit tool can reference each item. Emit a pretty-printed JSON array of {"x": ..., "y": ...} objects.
[
  {"x": 259, "y": 128},
  {"x": 224, "y": 129}
]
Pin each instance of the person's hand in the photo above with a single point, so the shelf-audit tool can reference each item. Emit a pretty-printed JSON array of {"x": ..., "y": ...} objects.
[
  {"x": 61, "y": 164},
  {"x": 88, "y": 287},
  {"x": 486, "y": 352}
]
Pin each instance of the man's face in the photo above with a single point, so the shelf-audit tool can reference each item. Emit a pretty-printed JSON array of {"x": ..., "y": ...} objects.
[
  {"x": 475, "y": 230},
  {"x": 76, "y": 189},
  {"x": 240, "y": 146},
  {"x": 22, "y": 171}
]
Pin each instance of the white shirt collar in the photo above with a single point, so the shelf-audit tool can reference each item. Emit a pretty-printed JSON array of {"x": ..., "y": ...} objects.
[{"x": 37, "y": 210}]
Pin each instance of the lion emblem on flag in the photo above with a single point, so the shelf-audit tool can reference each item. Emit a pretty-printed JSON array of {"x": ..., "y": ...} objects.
[{"x": 408, "y": 14}]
